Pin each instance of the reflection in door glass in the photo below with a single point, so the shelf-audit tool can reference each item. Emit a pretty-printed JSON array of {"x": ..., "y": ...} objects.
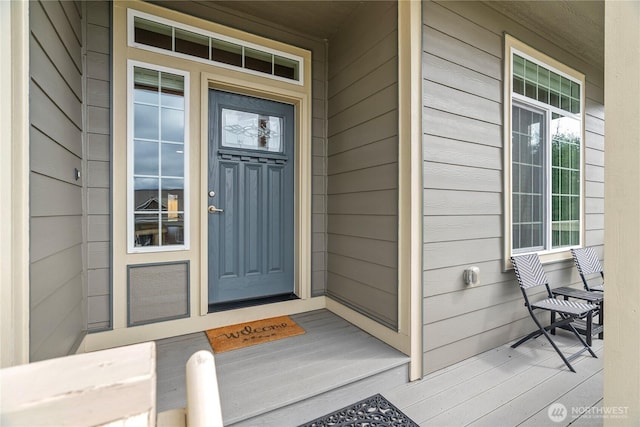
[{"x": 251, "y": 131}]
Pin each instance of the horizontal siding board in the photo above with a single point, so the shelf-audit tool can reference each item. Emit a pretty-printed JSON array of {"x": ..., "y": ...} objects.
[
  {"x": 46, "y": 276},
  {"x": 97, "y": 38},
  {"x": 370, "y": 203},
  {"x": 378, "y": 304},
  {"x": 98, "y": 93},
  {"x": 449, "y": 278},
  {"x": 50, "y": 120},
  {"x": 594, "y": 108},
  {"x": 459, "y": 52},
  {"x": 374, "y": 275},
  {"x": 370, "y": 60},
  {"x": 452, "y": 126},
  {"x": 594, "y": 189},
  {"x": 442, "y": 19},
  {"x": 98, "y": 255},
  {"x": 50, "y": 235},
  {"x": 384, "y": 177},
  {"x": 98, "y": 147},
  {"x": 443, "y": 150},
  {"x": 444, "y": 202},
  {"x": 444, "y": 98},
  {"x": 98, "y": 228},
  {"x": 594, "y": 222},
  {"x": 50, "y": 197},
  {"x": 357, "y": 38},
  {"x": 594, "y": 237},
  {"x": 98, "y": 120},
  {"x": 54, "y": 85},
  {"x": 359, "y": 90},
  {"x": 98, "y": 282},
  {"x": 45, "y": 34},
  {"x": 474, "y": 323},
  {"x": 373, "y": 251},
  {"x": 594, "y": 173},
  {"x": 594, "y": 157},
  {"x": 464, "y": 252},
  {"x": 366, "y": 156},
  {"x": 595, "y": 141},
  {"x": 378, "y": 129},
  {"x": 594, "y": 124},
  {"x": 594, "y": 205},
  {"x": 376, "y": 105},
  {"x": 98, "y": 309},
  {"x": 98, "y": 174},
  {"x": 64, "y": 30},
  {"x": 98, "y": 13},
  {"x": 50, "y": 313},
  {"x": 377, "y": 227},
  {"x": 453, "y": 304},
  {"x": 98, "y": 66},
  {"x": 50, "y": 159},
  {"x": 449, "y": 228},
  {"x": 97, "y": 201},
  {"x": 449, "y": 74},
  {"x": 441, "y": 357},
  {"x": 454, "y": 177},
  {"x": 63, "y": 339}
]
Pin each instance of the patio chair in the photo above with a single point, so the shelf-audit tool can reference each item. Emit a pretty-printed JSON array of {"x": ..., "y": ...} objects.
[
  {"x": 589, "y": 267},
  {"x": 530, "y": 274}
]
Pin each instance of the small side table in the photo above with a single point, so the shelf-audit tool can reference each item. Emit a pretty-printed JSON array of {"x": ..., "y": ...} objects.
[{"x": 584, "y": 327}]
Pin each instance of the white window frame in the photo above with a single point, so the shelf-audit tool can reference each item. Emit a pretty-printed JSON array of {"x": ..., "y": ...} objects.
[
  {"x": 514, "y": 46},
  {"x": 132, "y": 14},
  {"x": 131, "y": 248}
]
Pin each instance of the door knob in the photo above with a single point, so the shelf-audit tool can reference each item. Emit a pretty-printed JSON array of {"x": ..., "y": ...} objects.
[{"x": 213, "y": 209}]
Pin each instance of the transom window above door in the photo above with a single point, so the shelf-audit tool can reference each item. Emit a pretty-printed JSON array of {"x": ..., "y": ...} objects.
[
  {"x": 545, "y": 198},
  {"x": 195, "y": 44}
]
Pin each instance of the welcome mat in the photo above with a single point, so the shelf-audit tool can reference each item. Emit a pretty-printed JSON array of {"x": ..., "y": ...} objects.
[
  {"x": 372, "y": 411},
  {"x": 251, "y": 333}
]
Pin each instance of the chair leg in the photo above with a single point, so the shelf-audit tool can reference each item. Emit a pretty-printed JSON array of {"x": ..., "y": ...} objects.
[
  {"x": 564, "y": 359},
  {"x": 587, "y": 346}
]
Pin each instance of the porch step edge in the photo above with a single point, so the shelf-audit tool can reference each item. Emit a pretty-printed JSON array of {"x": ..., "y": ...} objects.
[{"x": 322, "y": 401}]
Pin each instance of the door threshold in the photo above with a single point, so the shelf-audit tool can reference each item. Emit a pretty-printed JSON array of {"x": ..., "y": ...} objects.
[{"x": 233, "y": 305}]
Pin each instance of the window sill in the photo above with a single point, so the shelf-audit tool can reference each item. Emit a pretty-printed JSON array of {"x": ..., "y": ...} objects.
[{"x": 545, "y": 258}]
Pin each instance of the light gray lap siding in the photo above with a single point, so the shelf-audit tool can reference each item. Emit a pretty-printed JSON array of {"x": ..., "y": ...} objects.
[
  {"x": 98, "y": 164},
  {"x": 57, "y": 295},
  {"x": 463, "y": 180},
  {"x": 362, "y": 175}
]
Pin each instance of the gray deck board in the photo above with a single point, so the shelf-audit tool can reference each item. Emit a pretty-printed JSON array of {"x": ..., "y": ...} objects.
[
  {"x": 257, "y": 379},
  {"x": 291, "y": 381}
]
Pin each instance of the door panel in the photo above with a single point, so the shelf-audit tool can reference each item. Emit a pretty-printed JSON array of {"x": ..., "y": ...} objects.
[{"x": 251, "y": 152}]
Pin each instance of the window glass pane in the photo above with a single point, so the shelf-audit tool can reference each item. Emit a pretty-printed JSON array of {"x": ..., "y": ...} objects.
[
  {"x": 518, "y": 85},
  {"x": 565, "y": 86},
  {"x": 172, "y": 160},
  {"x": 172, "y": 94},
  {"x": 172, "y": 194},
  {"x": 285, "y": 67},
  {"x": 225, "y": 52},
  {"x": 192, "y": 44},
  {"x": 145, "y": 155},
  {"x": 172, "y": 125},
  {"x": 146, "y": 229},
  {"x": 241, "y": 129},
  {"x": 146, "y": 84},
  {"x": 146, "y": 194},
  {"x": 531, "y": 71},
  {"x": 518, "y": 65},
  {"x": 530, "y": 90},
  {"x": 527, "y": 197},
  {"x": 257, "y": 60},
  {"x": 173, "y": 228},
  {"x": 145, "y": 119},
  {"x": 152, "y": 33}
]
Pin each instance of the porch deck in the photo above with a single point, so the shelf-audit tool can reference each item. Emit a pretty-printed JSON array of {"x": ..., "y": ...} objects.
[{"x": 288, "y": 382}]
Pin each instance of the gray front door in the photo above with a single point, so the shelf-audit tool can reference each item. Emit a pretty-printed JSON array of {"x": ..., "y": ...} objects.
[{"x": 250, "y": 218}]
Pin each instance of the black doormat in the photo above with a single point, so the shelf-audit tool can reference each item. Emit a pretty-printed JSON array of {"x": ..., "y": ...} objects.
[{"x": 374, "y": 411}]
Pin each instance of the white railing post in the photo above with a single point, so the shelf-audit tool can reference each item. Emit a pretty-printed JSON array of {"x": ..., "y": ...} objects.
[{"x": 203, "y": 398}]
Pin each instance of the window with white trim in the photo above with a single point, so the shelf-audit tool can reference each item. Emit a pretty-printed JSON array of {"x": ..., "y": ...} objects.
[
  {"x": 157, "y": 158},
  {"x": 545, "y": 155}
]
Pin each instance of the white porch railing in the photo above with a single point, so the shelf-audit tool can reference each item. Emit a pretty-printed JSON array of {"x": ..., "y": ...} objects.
[{"x": 115, "y": 387}]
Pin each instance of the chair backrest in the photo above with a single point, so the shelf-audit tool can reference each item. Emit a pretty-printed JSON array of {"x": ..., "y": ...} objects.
[
  {"x": 529, "y": 271},
  {"x": 588, "y": 265},
  {"x": 587, "y": 261}
]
